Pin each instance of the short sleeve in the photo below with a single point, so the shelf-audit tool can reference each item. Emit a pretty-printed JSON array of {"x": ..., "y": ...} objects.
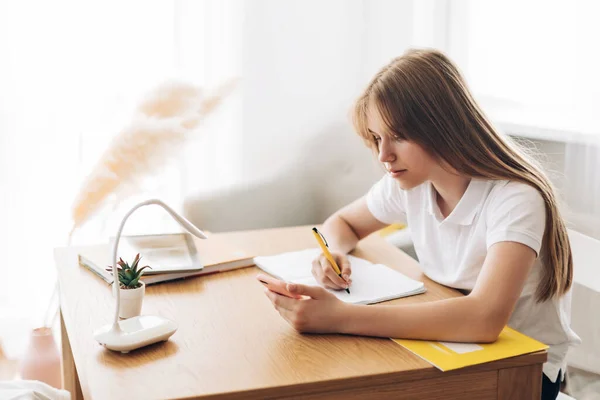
[
  {"x": 517, "y": 213},
  {"x": 387, "y": 201}
]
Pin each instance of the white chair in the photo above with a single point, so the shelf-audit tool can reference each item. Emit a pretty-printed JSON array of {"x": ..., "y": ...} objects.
[
  {"x": 585, "y": 317},
  {"x": 585, "y": 305}
]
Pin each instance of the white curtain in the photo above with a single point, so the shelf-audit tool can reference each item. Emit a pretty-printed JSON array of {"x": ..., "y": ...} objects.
[{"x": 71, "y": 75}]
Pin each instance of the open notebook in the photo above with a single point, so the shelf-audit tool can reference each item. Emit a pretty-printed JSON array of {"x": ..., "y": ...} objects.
[{"x": 371, "y": 283}]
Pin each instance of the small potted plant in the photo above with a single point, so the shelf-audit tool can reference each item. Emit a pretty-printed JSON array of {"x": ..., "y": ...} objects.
[{"x": 131, "y": 287}]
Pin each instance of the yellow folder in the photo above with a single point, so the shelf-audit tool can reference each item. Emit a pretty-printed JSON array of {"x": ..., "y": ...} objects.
[{"x": 447, "y": 356}]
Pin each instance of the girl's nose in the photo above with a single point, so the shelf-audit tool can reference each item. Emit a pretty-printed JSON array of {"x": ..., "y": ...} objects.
[{"x": 385, "y": 153}]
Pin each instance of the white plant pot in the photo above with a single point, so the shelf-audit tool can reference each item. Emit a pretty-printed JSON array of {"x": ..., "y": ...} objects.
[{"x": 131, "y": 301}]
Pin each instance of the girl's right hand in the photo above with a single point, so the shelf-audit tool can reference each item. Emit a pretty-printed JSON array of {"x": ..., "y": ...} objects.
[{"x": 324, "y": 273}]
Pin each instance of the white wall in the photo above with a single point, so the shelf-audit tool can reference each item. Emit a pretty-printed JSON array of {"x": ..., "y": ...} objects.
[
  {"x": 300, "y": 74},
  {"x": 304, "y": 63}
]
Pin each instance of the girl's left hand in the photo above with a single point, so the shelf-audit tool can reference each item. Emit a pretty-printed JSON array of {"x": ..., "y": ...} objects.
[{"x": 319, "y": 312}]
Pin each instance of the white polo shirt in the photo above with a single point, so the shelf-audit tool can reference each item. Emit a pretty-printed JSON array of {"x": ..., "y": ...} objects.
[{"x": 451, "y": 251}]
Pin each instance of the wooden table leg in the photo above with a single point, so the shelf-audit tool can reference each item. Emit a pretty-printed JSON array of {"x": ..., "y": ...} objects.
[
  {"x": 520, "y": 383},
  {"x": 70, "y": 379}
]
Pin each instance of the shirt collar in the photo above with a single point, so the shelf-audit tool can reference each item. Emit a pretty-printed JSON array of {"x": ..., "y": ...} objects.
[{"x": 467, "y": 207}]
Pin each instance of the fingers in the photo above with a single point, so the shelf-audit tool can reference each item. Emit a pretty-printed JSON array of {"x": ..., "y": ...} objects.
[
  {"x": 293, "y": 317},
  {"x": 330, "y": 273},
  {"x": 326, "y": 276},
  {"x": 344, "y": 264},
  {"x": 315, "y": 292},
  {"x": 288, "y": 315},
  {"x": 291, "y": 309},
  {"x": 319, "y": 274},
  {"x": 280, "y": 302}
]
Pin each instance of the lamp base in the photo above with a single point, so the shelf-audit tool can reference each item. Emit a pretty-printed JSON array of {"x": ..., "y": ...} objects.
[{"x": 135, "y": 332}]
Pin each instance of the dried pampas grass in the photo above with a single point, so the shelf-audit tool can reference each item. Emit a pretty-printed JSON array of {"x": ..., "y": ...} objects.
[{"x": 160, "y": 127}]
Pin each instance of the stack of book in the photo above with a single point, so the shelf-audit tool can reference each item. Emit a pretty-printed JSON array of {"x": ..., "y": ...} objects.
[{"x": 170, "y": 256}]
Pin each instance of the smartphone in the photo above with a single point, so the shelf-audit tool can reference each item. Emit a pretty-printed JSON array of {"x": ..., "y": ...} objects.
[{"x": 276, "y": 285}]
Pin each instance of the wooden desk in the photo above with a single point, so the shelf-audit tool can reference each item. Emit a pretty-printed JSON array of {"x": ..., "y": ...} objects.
[{"x": 232, "y": 344}]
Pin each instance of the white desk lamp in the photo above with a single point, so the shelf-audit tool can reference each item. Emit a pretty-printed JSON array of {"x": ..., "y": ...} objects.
[{"x": 142, "y": 330}]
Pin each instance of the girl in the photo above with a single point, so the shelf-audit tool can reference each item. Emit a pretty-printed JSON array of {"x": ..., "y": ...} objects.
[{"x": 483, "y": 217}]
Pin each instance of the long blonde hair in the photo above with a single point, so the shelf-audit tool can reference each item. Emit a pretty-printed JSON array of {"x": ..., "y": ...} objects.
[{"x": 422, "y": 97}]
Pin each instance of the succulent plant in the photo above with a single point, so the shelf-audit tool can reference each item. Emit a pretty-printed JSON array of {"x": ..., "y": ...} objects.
[{"x": 129, "y": 276}]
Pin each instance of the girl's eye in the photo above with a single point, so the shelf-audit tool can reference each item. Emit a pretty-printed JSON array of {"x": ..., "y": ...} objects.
[{"x": 376, "y": 139}]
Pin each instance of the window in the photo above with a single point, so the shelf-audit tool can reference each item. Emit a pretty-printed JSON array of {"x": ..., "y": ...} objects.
[{"x": 538, "y": 56}]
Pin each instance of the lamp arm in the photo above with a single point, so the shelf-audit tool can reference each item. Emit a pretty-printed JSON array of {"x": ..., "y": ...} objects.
[{"x": 187, "y": 225}]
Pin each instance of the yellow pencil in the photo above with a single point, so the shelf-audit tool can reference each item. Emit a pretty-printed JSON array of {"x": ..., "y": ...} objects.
[{"x": 323, "y": 243}]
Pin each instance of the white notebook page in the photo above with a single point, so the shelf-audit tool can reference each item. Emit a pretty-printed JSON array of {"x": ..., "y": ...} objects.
[{"x": 371, "y": 283}]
